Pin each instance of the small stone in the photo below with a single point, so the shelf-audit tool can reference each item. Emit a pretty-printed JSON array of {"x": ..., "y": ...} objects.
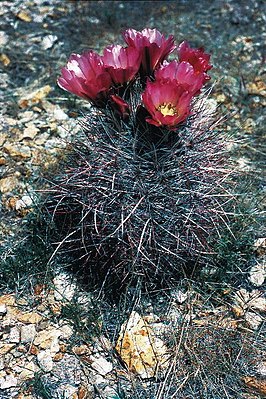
[
  {"x": 58, "y": 356},
  {"x": 2, "y": 138},
  {"x": 260, "y": 246},
  {"x": 261, "y": 368},
  {"x": 8, "y": 299},
  {"x": 45, "y": 360},
  {"x": 255, "y": 383},
  {"x": 250, "y": 300},
  {"x": 28, "y": 333},
  {"x": 9, "y": 381},
  {"x": 48, "y": 339},
  {"x": 30, "y": 131},
  {"x": 48, "y": 41},
  {"x": 86, "y": 392},
  {"x": 257, "y": 274},
  {"x": 138, "y": 346},
  {"x": 5, "y": 59},
  {"x": 35, "y": 97},
  {"x": 29, "y": 317},
  {"x": 238, "y": 311},
  {"x": 253, "y": 320},
  {"x": 101, "y": 365},
  {"x": 15, "y": 151},
  {"x": 3, "y": 38},
  {"x": 33, "y": 350},
  {"x": 180, "y": 296},
  {"x": 5, "y": 348},
  {"x": 28, "y": 371},
  {"x": 3, "y": 309},
  {"x": 2, "y": 363},
  {"x": 60, "y": 115},
  {"x": 24, "y": 16},
  {"x": 8, "y": 184},
  {"x": 23, "y": 203},
  {"x": 81, "y": 350},
  {"x": 14, "y": 335},
  {"x": 66, "y": 331},
  {"x": 64, "y": 288}
]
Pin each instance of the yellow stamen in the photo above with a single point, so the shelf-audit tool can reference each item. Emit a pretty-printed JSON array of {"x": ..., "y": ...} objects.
[{"x": 167, "y": 109}]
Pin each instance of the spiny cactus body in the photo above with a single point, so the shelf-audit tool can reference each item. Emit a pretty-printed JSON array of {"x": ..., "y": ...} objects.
[{"x": 146, "y": 189}]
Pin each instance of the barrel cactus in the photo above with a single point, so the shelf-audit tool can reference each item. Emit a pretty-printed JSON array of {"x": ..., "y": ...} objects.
[{"x": 145, "y": 191}]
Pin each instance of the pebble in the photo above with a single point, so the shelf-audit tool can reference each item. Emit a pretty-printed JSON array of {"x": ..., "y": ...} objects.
[
  {"x": 179, "y": 296},
  {"x": 3, "y": 309},
  {"x": 101, "y": 365},
  {"x": 3, "y": 38},
  {"x": 257, "y": 274},
  {"x": 28, "y": 371},
  {"x": 260, "y": 246},
  {"x": 27, "y": 333},
  {"x": 9, "y": 381},
  {"x": 8, "y": 184},
  {"x": 14, "y": 335},
  {"x": 253, "y": 320},
  {"x": 45, "y": 360},
  {"x": 139, "y": 347},
  {"x": 16, "y": 151},
  {"x": 64, "y": 288},
  {"x": 24, "y": 202}
]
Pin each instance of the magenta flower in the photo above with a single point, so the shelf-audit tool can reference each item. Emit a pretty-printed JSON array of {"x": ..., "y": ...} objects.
[
  {"x": 196, "y": 57},
  {"x": 183, "y": 73},
  {"x": 121, "y": 63},
  {"x": 152, "y": 45},
  {"x": 86, "y": 77},
  {"x": 167, "y": 102}
]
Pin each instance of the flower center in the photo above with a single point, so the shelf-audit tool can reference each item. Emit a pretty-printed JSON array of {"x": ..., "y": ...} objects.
[{"x": 167, "y": 109}]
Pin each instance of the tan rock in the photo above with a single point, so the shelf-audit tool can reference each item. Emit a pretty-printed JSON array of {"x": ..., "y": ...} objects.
[
  {"x": 29, "y": 317},
  {"x": 260, "y": 246},
  {"x": 35, "y": 97},
  {"x": 17, "y": 151},
  {"x": 47, "y": 339},
  {"x": 8, "y": 184},
  {"x": 30, "y": 131},
  {"x": 5, "y": 348},
  {"x": 28, "y": 333},
  {"x": 45, "y": 360},
  {"x": 140, "y": 349},
  {"x": 81, "y": 350},
  {"x": 2, "y": 138},
  {"x": 28, "y": 371},
  {"x": 58, "y": 356},
  {"x": 256, "y": 384}
]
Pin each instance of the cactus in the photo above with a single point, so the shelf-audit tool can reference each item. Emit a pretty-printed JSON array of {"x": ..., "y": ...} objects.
[{"x": 146, "y": 189}]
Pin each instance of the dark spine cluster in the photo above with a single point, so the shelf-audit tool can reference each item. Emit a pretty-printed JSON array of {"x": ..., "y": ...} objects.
[{"x": 143, "y": 206}]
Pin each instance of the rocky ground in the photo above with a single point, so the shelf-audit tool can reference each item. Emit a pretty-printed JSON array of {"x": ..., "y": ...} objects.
[{"x": 56, "y": 339}]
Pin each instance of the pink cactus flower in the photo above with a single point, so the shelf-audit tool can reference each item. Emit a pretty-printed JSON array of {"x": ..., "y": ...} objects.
[
  {"x": 152, "y": 45},
  {"x": 167, "y": 102},
  {"x": 86, "y": 77},
  {"x": 196, "y": 57},
  {"x": 121, "y": 63},
  {"x": 183, "y": 73}
]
